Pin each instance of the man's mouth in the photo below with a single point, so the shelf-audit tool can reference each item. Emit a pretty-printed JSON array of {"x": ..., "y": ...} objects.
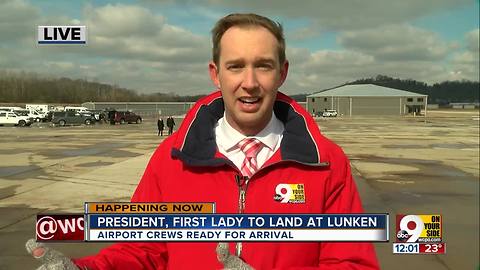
[{"x": 249, "y": 100}]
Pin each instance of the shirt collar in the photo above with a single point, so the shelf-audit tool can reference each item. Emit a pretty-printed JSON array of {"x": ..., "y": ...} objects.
[{"x": 230, "y": 137}]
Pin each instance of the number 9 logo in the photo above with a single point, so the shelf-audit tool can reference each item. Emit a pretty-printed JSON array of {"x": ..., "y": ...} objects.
[
  {"x": 286, "y": 194},
  {"x": 415, "y": 232}
]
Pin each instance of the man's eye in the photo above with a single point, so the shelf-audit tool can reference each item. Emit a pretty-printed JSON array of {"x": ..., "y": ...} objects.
[
  {"x": 265, "y": 67},
  {"x": 234, "y": 67}
]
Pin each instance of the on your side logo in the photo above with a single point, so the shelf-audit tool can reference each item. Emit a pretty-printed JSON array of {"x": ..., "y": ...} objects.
[
  {"x": 290, "y": 193},
  {"x": 62, "y": 34}
]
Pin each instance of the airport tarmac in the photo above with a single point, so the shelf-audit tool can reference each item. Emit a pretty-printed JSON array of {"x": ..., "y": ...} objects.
[{"x": 402, "y": 165}]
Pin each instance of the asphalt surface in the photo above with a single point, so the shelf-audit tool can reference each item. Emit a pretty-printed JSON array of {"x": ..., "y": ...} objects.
[{"x": 401, "y": 166}]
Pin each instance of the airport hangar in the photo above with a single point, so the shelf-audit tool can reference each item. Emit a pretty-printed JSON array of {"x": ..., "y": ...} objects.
[{"x": 366, "y": 99}]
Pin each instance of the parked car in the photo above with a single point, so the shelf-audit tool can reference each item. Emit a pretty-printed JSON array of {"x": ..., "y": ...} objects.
[
  {"x": 71, "y": 118},
  {"x": 99, "y": 115},
  {"x": 11, "y": 118},
  {"x": 124, "y": 117},
  {"x": 87, "y": 114},
  {"x": 37, "y": 117},
  {"x": 330, "y": 113}
]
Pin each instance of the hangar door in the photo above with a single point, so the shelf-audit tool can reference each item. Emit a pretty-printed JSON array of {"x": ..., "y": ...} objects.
[{"x": 375, "y": 106}]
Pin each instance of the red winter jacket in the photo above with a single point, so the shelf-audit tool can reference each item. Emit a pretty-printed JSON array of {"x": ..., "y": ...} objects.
[{"x": 187, "y": 167}]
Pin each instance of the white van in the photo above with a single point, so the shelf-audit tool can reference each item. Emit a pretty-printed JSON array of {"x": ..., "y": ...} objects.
[
  {"x": 40, "y": 108},
  {"x": 31, "y": 113},
  {"x": 11, "y": 118}
]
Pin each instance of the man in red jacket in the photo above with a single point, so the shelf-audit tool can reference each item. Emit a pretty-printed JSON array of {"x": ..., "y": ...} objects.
[{"x": 238, "y": 147}]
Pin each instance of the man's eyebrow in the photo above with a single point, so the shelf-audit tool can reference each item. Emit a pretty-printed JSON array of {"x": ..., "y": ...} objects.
[
  {"x": 234, "y": 61},
  {"x": 265, "y": 60},
  {"x": 260, "y": 60}
]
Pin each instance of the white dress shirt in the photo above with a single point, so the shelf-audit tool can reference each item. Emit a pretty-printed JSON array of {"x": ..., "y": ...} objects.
[{"x": 228, "y": 138}]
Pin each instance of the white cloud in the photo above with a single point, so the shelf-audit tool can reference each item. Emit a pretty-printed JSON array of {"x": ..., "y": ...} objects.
[
  {"x": 341, "y": 15},
  {"x": 132, "y": 32},
  {"x": 328, "y": 68},
  {"x": 18, "y": 20},
  {"x": 322, "y": 69},
  {"x": 396, "y": 43},
  {"x": 465, "y": 64},
  {"x": 302, "y": 33},
  {"x": 122, "y": 21},
  {"x": 156, "y": 77},
  {"x": 472, "y": 39}
]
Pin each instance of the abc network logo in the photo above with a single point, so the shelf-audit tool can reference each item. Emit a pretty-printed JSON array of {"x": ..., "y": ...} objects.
[
  {"x": 48, "y": 227},
  {"x": 63, "y": 35}
]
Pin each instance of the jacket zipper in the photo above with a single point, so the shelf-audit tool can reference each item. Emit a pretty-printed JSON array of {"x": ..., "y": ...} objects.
[{"x": 242, "y": 182}]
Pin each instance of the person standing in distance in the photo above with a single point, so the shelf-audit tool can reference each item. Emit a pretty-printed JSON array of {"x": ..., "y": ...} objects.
[
  {"x": 236, "y": 147},
  {"x": 170, "y": 125},
  {"x": 160, "y": 126}
]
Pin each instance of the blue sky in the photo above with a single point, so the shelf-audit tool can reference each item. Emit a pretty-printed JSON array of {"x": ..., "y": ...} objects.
[
  {"x": 451, "y": 24},
  {"x": 328, "y": 42}
]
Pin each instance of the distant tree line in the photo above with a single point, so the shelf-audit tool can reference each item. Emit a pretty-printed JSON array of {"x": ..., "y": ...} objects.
[
  {"x": 438, "y": 93},
  {"x": 23, "y": 87}
]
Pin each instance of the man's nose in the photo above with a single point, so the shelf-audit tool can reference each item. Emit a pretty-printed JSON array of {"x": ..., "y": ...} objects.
[{"x": 250, "y": 80}]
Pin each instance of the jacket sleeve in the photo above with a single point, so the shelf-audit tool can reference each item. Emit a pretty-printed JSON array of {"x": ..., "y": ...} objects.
[
  {"x": 138, "y": 255},
  {"x": 342, "y": 197}
]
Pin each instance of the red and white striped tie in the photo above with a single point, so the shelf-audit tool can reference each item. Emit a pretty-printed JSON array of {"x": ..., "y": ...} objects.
[{"x": 250, "y": 147}]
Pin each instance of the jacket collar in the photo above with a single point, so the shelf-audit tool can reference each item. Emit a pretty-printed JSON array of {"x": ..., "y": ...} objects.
[{"x": 195, "y": 142}]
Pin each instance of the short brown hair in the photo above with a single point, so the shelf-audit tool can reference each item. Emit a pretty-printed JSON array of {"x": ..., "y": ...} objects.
[{"x": 246, "y": 20}]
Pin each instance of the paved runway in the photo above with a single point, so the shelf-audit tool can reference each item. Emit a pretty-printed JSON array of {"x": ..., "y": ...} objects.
[{"x": 401, "y": 165}]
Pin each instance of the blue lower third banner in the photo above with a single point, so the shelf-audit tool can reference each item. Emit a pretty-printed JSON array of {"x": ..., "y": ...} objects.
[{"x": 236, "y": 227}]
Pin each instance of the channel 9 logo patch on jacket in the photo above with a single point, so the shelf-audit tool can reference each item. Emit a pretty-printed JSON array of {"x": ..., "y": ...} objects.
[
  {"x": 290, "y": 193},
  {"x": 62, "y": 35},
  {"x": 60, "y": 227},
  {"x": 419, "y": 234}
]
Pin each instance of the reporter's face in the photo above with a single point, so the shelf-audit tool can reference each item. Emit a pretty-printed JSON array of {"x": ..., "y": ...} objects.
[{"x": 248, "y": 75}]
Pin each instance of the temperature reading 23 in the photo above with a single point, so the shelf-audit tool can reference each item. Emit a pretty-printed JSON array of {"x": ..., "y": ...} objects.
[{"x": 433, "y": 248}]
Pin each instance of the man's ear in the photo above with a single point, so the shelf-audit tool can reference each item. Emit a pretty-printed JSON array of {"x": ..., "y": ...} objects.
[
  {"x": 213, "y": 70},
  {"x": 283, "y": 72}
]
